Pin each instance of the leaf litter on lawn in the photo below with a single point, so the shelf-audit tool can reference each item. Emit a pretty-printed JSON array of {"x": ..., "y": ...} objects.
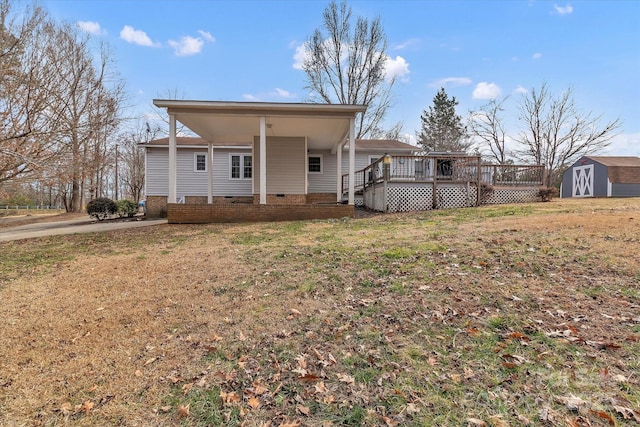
[{"x": 513, "y": 315}]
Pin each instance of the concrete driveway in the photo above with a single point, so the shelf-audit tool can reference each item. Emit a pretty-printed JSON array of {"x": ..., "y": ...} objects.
[{"x": 80, "y": 225}]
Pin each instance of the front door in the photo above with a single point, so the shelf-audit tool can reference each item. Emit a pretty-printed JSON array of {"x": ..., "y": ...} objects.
[{"x": 583, "y": 181}]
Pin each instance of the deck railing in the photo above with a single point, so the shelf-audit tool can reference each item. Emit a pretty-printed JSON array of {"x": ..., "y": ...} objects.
[{"x": 451, "y": 168}]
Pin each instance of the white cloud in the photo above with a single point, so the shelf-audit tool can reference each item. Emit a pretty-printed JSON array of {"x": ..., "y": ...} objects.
[
  {"x": 397, "y": 68},
  {"x": 536, "y": 55},
  {"x": 206, "y": 36},
  {"x": 624, "y": 144},
  {"x": 299, "y": 57},
  {"x": 486, "y": 90},
  {"x": 407, "y": 44},
  {"x": 187, "y": 46},
  {"x": 566, "y": 10},
  {"x": 139, "y": 37},
  {"x": 283, "y": 93},
  {"x": 451, "y": 81},
  {"x": 276, "y": 94},
  {"x": 90, "y": 27},
  {"x": 520, "y": 90}
]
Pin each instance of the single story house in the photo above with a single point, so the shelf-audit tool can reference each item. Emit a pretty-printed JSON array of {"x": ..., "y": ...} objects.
[
  {"x": 602, "y": 176},
  {"x": 258, "y": 161}
]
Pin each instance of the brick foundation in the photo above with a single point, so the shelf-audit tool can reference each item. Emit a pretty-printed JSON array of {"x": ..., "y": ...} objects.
[
  {"x": 321, "y": 198},
  {"x": 156, "y": 206},
  {"x": 282, "y": 199},
  {"x": 196, "y": 200},
  {"x": 198, "y": 214}
]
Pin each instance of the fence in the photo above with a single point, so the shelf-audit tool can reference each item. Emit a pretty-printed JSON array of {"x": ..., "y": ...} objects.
[
  {"x": 15, "y": 207},
  {"x": 449, "y": 168}
]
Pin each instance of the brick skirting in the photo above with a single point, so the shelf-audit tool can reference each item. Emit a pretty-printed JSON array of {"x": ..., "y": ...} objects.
[{"x": 200, "y": 214}]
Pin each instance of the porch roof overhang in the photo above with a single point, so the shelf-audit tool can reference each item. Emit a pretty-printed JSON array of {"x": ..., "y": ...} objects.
[{"x": 324, "y": 125}]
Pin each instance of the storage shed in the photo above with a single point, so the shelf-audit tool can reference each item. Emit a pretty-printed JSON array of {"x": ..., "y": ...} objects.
[{"x": 602, "y": 176}]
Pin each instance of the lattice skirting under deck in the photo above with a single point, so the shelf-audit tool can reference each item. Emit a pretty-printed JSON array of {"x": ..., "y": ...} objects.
[{"x": 406, "y": 197}]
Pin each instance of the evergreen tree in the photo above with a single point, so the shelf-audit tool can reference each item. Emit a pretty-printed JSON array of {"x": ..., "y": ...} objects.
[{"x": 442, "y": 129}]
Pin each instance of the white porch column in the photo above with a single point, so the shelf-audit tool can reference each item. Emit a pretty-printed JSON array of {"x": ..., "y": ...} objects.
[
  {"x": 210, "y": 173},
  {"x": 352, "y": 159},
  {"x": 339, "y": 173},
  {"x": 263, "y": 160},
  {"x": 172, "y": 159}
]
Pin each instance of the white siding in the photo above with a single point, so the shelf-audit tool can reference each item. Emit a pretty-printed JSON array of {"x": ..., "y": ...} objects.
[
  {"x": 189, "y": 182},
  {"x": 286, "y": 163},
  {"x": 324, "y": 182},
  {"x": 223, "y": 185}
]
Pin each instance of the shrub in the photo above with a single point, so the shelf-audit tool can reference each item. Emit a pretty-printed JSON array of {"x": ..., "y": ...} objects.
[
  {"x": 101, "y": 208},
  {"x": 547, "y": 193},
  {"x": 126, "y": 208}
]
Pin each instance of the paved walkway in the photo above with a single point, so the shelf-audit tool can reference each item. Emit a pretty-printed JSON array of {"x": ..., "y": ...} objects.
[{"x": 80, "y": 225}]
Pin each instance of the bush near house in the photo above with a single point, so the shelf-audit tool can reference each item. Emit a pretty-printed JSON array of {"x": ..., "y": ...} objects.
[
  {"x": 101, "y": 208},
  {"x": 126, "y": 208}
]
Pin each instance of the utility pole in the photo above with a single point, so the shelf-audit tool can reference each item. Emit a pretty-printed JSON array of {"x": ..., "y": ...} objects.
[{"x": 116, "y": 172}]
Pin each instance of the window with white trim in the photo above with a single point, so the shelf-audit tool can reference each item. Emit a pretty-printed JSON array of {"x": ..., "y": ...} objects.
[
  {"x": 314, "y": 163},
  {"x": 240, "y": 166},
  {"x": 199, "y": 162}
]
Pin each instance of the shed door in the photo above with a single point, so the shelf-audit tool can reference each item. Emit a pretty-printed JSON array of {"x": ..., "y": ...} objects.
[{"x": 583, "y": 181}]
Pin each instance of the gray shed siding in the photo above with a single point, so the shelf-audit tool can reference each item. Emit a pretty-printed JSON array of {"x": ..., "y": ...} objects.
[
  {"x": 600, "y": 179},
  {"x": 625, "y": 190}
]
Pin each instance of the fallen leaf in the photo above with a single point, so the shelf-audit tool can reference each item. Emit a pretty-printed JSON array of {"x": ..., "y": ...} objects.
[
  {"x": 627, "y": 413},
  {"x": 497, "y": 421},
  {"x": 308, "y": 378},
  {"x": 150, "y": 361},
  {"x": 303, "y": 410},
  {"x": 475, "y": 422},
  {"x": 165, "y": 408},
  {"x": 604, "y": 416},
  {"x": 296, "y": 312},
  {"x": 346, "y": 379},
  {"x": 412, "y": 409},
  {"x": 320, "y": 387},
  {"x": 87, "y": 406},
  {"x": 389, "y": 422},
  {"x": 253, "y": 402},
  {"x": 572, "y": 403},
  {"x": 290, "y": 424},
  {"x": 186, "y": 388},
  {"x": 183, "y": 410},
  {"x": 138, "y": 373},
  {"x": 65, "y": 408}
]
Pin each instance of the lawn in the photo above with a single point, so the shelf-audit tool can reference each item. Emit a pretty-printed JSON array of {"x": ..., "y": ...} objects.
[{"x": 508, "y": 315}]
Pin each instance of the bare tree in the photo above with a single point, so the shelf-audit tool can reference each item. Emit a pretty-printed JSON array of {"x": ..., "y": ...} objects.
[
  {"x": 556, "y": 133},
  {"x": 486, "y": 125},
  {"x": 132, "y": 164},
  {"x": 89, "y": 99},
  {"x": 347, "y": 66},
  {"x": 28, "y": 83}
]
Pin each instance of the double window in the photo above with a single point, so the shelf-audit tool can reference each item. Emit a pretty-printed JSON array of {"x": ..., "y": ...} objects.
[{"x": 241, "y": 166}]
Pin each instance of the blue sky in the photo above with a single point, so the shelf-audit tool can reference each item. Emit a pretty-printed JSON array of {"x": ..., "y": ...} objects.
[{"x": 249, "y": 50}]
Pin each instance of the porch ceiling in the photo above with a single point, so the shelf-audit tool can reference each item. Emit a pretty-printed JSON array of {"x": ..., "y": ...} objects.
[{"x": 322, "y": 124}]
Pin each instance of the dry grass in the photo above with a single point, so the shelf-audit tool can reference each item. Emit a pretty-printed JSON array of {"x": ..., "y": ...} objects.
[{"x": 508, "y": 315}]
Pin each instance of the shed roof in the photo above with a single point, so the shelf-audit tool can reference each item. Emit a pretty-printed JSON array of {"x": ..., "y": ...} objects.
[
  {"x": 616, "y": 160},
  {"x": 621, "y": 169}
]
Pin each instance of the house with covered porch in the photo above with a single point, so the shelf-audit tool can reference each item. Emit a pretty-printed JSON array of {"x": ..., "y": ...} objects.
[{"x": 258, "y": 161}]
